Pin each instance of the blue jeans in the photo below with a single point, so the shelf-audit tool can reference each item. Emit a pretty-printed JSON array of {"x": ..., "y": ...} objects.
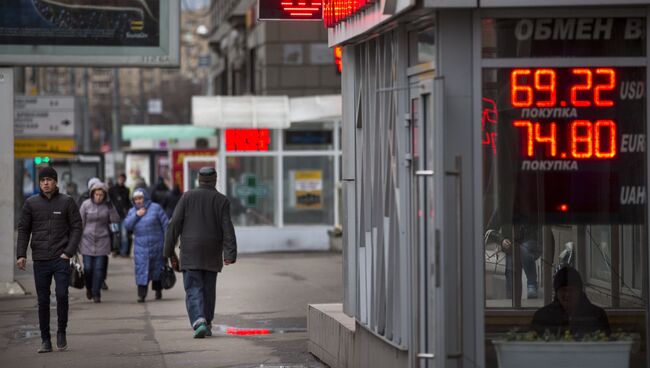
[
  {"x": 43, "y": 273},
  {"x": 529, "y": 254},
  {"x": 95, "y": 272},
  {"x": 125, "y": 240},
  {"x": 200, "y": 294}
]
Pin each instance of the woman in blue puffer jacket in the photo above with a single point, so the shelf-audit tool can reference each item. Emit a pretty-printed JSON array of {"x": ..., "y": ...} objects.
[{"x": 148, "y": 222}]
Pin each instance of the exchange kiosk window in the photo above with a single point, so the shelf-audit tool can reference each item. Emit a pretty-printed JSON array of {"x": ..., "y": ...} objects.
[{"x": 564, "y": 170}]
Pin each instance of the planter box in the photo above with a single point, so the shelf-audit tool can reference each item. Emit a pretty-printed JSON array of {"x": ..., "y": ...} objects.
[{"x": 559, "y": 354}]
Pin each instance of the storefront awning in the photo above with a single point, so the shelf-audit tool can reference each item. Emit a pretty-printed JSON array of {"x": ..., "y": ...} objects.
[
  {"x": 131, "y": 132},
  {"x": 315, "y": 108},
  {"x": 271, "y": 112}
]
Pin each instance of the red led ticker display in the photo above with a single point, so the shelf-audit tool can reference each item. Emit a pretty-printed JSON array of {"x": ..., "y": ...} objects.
[
  {"x": 335, "y": 11},
  {"x": 584, "y": 92},
  {"x": 583, "y": 88},
  {"x": 247, "y": 140},
  {"x": 290, "y": 9}
]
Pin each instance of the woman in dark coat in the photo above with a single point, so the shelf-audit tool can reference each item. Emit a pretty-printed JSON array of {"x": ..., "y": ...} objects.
[{"x": 148, "y": 222}]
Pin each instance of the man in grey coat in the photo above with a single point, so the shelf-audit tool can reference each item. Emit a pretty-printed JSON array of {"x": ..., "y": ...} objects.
[{"x": 207, "y": 238}]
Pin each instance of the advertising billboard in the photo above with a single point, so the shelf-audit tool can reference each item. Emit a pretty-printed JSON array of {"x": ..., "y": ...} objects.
[{"x": 89, "y": 32}]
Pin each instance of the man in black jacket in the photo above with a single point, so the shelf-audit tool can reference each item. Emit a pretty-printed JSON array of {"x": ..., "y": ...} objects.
[
  {"x": 202, "y": 220},
  {"x": 52, "y": 220},
  {"x": 570, "y": 309}
]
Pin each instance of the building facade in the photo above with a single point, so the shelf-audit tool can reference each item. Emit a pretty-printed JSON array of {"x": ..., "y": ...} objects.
[
  {"x": 487, "y": 145},
  {"x": 269, "y": 58},
  {"x": 282, "y": 180}
]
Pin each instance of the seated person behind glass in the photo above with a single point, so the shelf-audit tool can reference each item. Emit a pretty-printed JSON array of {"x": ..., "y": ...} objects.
[{"x": 570, "y": 309}]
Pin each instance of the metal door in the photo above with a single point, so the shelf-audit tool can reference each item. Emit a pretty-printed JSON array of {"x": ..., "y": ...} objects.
[{"x": 426, "y": 173}]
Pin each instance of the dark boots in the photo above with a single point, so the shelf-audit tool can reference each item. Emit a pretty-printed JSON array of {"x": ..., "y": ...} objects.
[
  {"x": 142, "y": 293},
  {"x": 61, "y": 341}
]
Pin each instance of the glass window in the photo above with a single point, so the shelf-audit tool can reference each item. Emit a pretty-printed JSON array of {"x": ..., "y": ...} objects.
[
  {"x": 422, "y": 46},
  {"x": 564, "y": 190},
  {"x": 308, "y": 190},
  {"x": 563, "y": 37},
  {"x": 309, "y": 136},
  {"x": 250, "y": 189}
]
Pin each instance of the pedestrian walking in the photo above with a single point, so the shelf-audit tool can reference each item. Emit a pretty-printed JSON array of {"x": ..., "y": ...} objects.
[
  {"x": 97, "y": 214},
  {"x": 171, "y": 200},
  {"x": 120, "y": 196},
  {"x": 148, "y": 222},
  {"x": 202, "y": 221},
  {"x": 82, "y": 198},
  {"x": 159, "y": 191},
  {"x": 52, "y": 221},
  {"x": 86, "y": 194}
]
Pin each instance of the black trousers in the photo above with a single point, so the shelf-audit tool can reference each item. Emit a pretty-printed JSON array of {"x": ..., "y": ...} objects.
[{"x": 44, "y": 271}]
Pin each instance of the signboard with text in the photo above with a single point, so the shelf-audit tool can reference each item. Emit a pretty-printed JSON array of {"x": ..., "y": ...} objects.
[
  {"x": 177, "y": 162},
  {"x": 290, "y": 10},
  {"x": 89, "y": 32},
  {"x": 44, "y": 116},
  {"x": 29, "y": 148}
]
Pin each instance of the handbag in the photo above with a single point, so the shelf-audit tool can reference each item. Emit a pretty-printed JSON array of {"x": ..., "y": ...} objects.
[
  {"x": 167, "y": 277},
  {"x": 115, "y": 235},
  {"x": 76, "y": 273}
]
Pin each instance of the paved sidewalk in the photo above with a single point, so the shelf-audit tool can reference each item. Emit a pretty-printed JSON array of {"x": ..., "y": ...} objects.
[{"x": 263, "y": 291}]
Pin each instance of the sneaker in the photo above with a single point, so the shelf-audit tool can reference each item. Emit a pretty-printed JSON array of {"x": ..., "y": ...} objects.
[
  {"x": 201, "y": 331},
  {"x": 158, "y": 294},
  {"x": 46, "y": 347},
  {"x": 532, "y": 292},
  {"x": 140, "y": 299},
  {"x": 209, "y": 333},
  {"x": 61, "y": 341},
  {"x": 104, "y": 286}
]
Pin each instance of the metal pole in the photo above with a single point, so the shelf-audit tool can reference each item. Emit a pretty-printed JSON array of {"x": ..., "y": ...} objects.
[
  {"x": 86, "y": 113},
  {"x": 144, "y": 116},
  {"x": 73, "y": 81},
  {"x": 7, "y": 250},
  {"x": 116, "y": 110}
]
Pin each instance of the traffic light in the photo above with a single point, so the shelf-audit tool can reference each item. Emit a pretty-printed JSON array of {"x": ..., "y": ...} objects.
[{"x": 41, "y": 160}]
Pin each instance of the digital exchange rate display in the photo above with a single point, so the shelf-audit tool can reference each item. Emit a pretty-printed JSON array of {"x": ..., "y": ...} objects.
[{"x": 569, "y": 143}]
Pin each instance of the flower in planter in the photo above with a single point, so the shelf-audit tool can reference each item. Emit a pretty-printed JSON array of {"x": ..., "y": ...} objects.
[{"x": 597, "y": 336}]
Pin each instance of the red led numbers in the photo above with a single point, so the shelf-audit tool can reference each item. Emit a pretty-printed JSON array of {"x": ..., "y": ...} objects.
[
  {"x": 520, "y": 96},
  {"x": 586, "y": 87},
  {"x": 609, "y": 86},
  {"x": 581, "y": 139},
  {"x": 550, "y": 138},
  {"x": 610, "y": 127},
  {"x": 530, "y": 149},
  {"x": 545, "y": 82},
  {"x": 587, "y": 140}
]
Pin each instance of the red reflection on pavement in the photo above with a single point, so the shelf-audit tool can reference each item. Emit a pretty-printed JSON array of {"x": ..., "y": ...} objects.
[{"x": 246, "y": 331}]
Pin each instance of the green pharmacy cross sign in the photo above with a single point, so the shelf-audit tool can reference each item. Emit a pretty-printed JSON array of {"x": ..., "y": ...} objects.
[{"x": 249, "y": 191}]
